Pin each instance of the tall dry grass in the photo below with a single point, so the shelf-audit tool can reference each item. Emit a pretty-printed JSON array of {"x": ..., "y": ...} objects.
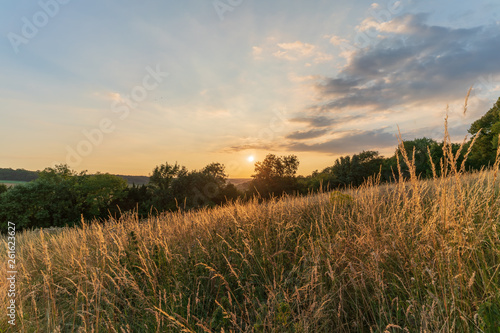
[{"x": 415, "y": 256}]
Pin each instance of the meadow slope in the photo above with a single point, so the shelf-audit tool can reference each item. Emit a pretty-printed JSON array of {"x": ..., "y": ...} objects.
[{"x": 420, "y": 256}]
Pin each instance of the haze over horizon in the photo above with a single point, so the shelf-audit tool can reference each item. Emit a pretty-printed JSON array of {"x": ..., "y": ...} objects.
[{"x": 121, "y": 87}]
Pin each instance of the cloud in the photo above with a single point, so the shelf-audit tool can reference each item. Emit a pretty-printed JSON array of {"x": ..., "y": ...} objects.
[
  {"x": 257, "y": 51},
  {"x": 207, "y": 112},
  {"x": 404, "y": 65},
  {"x": 294, "y": 51},
  {"x": 338, "y": 86},
  {"x": 354, "y": 141},
  {"x": 302, "y": 135},
  {"x": 410, "y": 61},
  {"x": 318, "y": 121},
  {"x": 322, "y": 121},
  {"x": 108, "y": 95},
  {"x": 408, "y": 66},
  {"x": 322, "y": 57},
  {"x": 297, "y": 78},
  {"x": 400, "y": 25},
  {"x": 323, "y": 141},
  {"x": 456, "y": 131},
  {"x": 249, "y": 146}
]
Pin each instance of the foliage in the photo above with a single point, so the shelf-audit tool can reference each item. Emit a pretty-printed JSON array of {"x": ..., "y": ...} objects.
[
  {"x": 160, "y": 184},
  {"x": 174, "y": 187},
  {"x": 40, "y": 203},
  {"x": 339, "y": 198},
  {"x": 3, "y": 188},
  {"x": 59, "y": 197},
  {"x": 206, "y": 187},
  {"x": 487, "y": 131},
  {"x": 138, "y": 199},
  {"x": 417, "y": 151},
  {"x": 346, "y": 171},
  {"x": 164, "y": 174},
  {"x": 97, "y": 193},
  {"x": 275, "y": 175}
]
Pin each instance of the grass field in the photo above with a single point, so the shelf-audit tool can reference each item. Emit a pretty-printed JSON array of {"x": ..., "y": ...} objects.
[
  {"x": 11, "y": 182},
  {"x": 417, "y": 256}
]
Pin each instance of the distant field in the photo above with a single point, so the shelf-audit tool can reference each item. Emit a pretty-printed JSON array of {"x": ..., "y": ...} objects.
[
  {"x": 140, "y": 180},
  {"x": 240, "y": 183},
  {"x": 135, "y": 180},
  {"x": 237, "y": 181},
  {"x": 11, "y": 182}
]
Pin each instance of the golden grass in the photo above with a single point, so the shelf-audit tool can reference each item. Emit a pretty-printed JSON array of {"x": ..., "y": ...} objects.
[
  {"x": 415, "y": 256},
  {"x": 422, "y": 256}
]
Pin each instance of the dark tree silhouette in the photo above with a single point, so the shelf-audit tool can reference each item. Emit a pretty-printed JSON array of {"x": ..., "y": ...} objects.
[
  {"x": 275, "y": 175},
  {"x": 487, "y": 129}
]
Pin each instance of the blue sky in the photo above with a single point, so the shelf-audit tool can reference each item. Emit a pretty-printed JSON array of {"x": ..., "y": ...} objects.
[{"x": 236, "y": 78}]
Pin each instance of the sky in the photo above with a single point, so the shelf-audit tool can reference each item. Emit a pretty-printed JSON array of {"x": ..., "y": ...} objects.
[{"x": 123, "y": 86}]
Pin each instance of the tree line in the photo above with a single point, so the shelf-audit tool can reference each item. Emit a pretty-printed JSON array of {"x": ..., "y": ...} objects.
[
  {"x": 18, "y": 175},
  {"x": 9, "y": 174},
  {"x": 60, "y": 196}
]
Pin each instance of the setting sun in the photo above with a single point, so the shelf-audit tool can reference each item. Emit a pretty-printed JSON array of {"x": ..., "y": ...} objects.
[{"x": 250, "y": 158}]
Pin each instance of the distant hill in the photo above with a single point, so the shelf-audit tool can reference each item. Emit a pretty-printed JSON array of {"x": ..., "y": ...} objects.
[
  {"x": 20, "y": 175},
  {"x": 137, "y": 180},
  {"x": 23, "y": 175},
  {"x": 241, "y": 184}
]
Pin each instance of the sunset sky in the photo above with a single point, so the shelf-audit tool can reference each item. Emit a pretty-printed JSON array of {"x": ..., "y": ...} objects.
[{"x": 123, "y": 86}]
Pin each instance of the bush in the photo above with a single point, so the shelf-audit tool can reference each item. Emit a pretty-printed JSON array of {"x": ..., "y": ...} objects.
[{"x": 60, "y": 197}]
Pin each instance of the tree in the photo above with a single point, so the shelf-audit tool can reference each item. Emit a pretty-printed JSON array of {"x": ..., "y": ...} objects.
[
  {"x": 163, "y": 175},
  {"x": 275, "y": 175},
  {"x": 206, "y": 187},
  {"x": 365, "y": 164},
  {"x": 99, "y": 194},
  {"x": 137, "y": 198},
  {"x": 216, "y": 171},
  {"x": 340, "y": 173},
  {"x": 353, "y": 170},
  {"x": 487, "y": 129},
  {"x": 40, "y": 203},
  {"x": 160, "y": 185},
  {"x": 422, "y": 161},
  {"x": 60, "y": 196},
  {"x": 58, "y": 173},
  {"x": 3, "y": 188}
]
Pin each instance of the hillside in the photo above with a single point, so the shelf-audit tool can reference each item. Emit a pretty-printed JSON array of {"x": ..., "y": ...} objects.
[
  {"x": 17, "y": 174},
  {"x": 137, "y": 180},
  {"x": 241, "y": 184},
  {"x": 416, "y": 256},
  {"x": 22, "y": 175}
]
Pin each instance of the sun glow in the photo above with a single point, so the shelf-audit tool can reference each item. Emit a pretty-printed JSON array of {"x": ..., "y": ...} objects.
[{"x": 250, "y": 158}]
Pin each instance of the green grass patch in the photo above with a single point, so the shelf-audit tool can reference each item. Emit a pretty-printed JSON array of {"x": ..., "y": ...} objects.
[{"x": 12, "y": 182}]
